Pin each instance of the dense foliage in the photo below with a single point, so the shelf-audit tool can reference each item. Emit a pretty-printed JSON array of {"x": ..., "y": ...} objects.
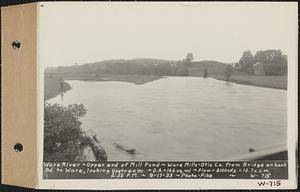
[
  {"x": 125, "y": 67},
  {"x": 63, "y": 136},
  {"x": 274, "y": 61},
  {"x": 188, "y": 59},
  {"x": 246, "y": 61},
  {"x": 228, "y": 72}
]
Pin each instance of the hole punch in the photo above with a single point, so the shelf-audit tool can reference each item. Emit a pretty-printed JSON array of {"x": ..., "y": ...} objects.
[
  {"x": 16, "y": 44},
  {"x": 18, "y": 147}
]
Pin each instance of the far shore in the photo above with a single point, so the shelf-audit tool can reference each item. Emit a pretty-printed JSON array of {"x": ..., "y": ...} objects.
[
  {"x": 135, "y": 79},
  {"x": 53, "y": 87},
  {"x": 52, "y": 82},
  {"x": 275, "y": 82}
]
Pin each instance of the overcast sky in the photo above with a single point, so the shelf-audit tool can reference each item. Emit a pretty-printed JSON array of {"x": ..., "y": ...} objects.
[{"x": 86, "y": 32}]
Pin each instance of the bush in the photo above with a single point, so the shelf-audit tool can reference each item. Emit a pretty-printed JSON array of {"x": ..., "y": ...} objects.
[
  {"x": 275, "y": 69},
  {"x": 228, "y": 72},
  {"x": 275, "y": 62},
  {"x": 246, "y": 61},
  {"x": 63, "y": 136},
  {"x": 205, "y": 72}
]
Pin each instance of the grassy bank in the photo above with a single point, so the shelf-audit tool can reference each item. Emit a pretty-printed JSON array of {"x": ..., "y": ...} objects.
[
  {"x": 216, "y": 70},
  {"x": 136, "y": 79},
  {"x": 276, "y": 82},
  {"x": 53, "y": 87}
]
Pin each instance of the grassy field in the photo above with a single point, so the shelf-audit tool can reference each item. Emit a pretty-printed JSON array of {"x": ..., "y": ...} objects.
[
  {"x": 216, "y": 70},
  {"x": 52, "y": 87},
  {"x": 276, "y": 82}
]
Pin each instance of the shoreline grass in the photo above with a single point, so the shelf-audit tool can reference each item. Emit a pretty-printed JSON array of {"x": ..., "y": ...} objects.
[
  {"x": 135, "y": 79},
  {"x": 275, "y": 82}
]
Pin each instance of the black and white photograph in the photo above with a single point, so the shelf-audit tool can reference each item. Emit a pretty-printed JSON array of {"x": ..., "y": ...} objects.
[{"x": 165, "y": 82}]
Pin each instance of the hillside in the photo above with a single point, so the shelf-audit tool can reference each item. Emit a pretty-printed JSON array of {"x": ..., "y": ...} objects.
[
  {"x": 214, "y": 68},
  {"x": 143, "y": 66},
  {"x": 107, "y": 66}
]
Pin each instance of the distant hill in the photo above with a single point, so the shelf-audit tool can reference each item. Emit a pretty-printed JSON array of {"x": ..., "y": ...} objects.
[
  {"x": 102, "y": 65},
  {"x": 210, "y": 63},
  {"x": 214, "y": 68},
  {"x": 144, "y": 66}
]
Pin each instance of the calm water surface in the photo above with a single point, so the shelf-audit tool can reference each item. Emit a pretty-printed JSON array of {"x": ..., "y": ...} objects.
[{"x": 180, "y": 118}]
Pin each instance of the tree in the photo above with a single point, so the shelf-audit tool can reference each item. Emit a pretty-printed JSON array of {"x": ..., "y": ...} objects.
[
  {"x": 63, "y": 136},
  {"x": 205, "y": 72},
  {"x": 246, "y": 61},
  {"x": 274, "y": 61},
  {"x": 228, "y": 72},
  {"x": 189, "y": 58}
]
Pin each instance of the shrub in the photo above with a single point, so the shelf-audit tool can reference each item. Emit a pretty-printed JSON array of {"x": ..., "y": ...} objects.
[
  {"x": 246, "y": 61},
  {"x": 228, "y": 72},
  {"x": 63, "y": 136},
  {"x": 275, "y": 62}
]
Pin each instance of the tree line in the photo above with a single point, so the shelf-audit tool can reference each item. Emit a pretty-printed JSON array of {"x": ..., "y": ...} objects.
[
  {"x": 274, "y": 62},
  {"x": 128, "y": 67},
  {"x": 163, "y": 69}
]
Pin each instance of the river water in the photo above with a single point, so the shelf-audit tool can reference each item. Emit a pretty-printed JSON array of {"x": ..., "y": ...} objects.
[{"x": 180, "y": 118}]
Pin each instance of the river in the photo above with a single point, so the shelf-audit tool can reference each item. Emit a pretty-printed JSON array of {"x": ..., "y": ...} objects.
[{"x": 180, "y": 118}]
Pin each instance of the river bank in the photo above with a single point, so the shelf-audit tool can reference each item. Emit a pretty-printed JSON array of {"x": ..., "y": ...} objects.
[
  {"x": 53, "y": 87},
  {"x": 64, "y": 137},
  {"x": 53, "y": 84},
  {"x": 135, "y": 79},
  {"x": 276, "y": 82}
]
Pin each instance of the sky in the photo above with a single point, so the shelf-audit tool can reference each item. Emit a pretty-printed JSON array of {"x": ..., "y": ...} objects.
[{"x": 77, "y": 32}]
